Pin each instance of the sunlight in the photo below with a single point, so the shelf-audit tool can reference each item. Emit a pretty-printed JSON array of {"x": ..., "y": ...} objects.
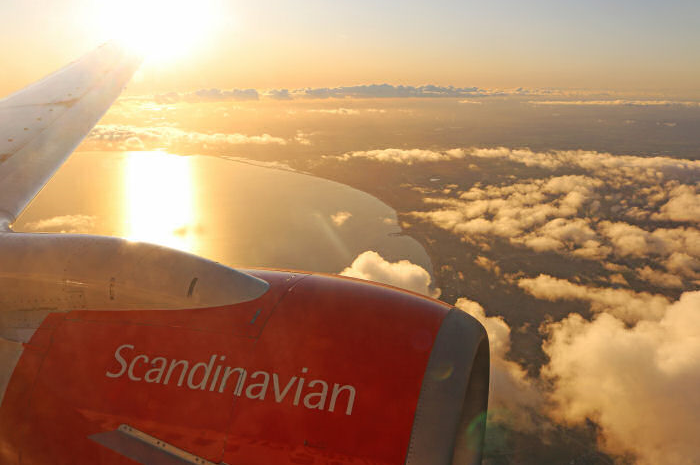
[
  {"x": 159, "y": 200},
  {"x": 160, "y": 30}
]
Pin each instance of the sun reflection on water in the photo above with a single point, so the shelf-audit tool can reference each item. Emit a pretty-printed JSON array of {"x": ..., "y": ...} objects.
[{"x": 159, "y": 204}]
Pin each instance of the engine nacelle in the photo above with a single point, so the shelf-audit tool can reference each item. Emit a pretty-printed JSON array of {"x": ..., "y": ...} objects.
[{"x": 317, "y": 369}]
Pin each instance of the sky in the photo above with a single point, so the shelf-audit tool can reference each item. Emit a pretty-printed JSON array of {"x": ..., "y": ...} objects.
[{"x": 617, "y": 45}]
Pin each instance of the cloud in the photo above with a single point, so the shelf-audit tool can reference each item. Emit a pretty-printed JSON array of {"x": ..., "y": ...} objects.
[
  {"x": 618, "y": 102},
  {"x": 543, "y": 207},
  {"x": 576, "y": 204},
  {"x": 342, "y": 92},
  {"x": 64, "y": 224},
  {"x": 677, "y": 249},
  {"x": 339, "y": 218},
  {"x": 403, "y": 156},
  {"x": 391, "y": 91},
  {"x": 611, "y": 167},
  {"x": 336, "y": 111},
  {"x": 302, "y": 138},
  {"x": 683, "y": 205},
  {"x": 488, "y": 264},
  {"x": 207, "y": 95},
  {"x": 469, "y": 95},
  {"x": 624, "y": 304},
  {"x": 659, "y": 278},
  {"x": 371, "y": 266},
  {"x": 278, "y": 94},
  {"x": 126, "y": 137},
  {"x": 639, "y": 384},
  {"x": 513, "y": 396}
]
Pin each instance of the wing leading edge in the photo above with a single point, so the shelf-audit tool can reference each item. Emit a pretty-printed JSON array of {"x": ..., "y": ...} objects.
[{"x": 42, "y": 124}]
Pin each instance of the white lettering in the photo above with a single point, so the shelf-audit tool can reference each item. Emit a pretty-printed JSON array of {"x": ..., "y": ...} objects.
[
  {"x": 173, "y": 363},
  {"x": 121, "y": 361},
  {"x": 279, "y": 396},
  {"x": 337, "y": 389},
  {"x": 158, "y": 371},
  {"x": 321, "y": 395},
  {"x": 207, "y": 371},
  {"x": 261, "y": 387},
  {"x": 216, "y": 374},
  {"x": 300, "y": 386},
  {"x": 241, "y": 380},
  {"x": 133, "y": 363},
  {"x": 197, "y": 375}
]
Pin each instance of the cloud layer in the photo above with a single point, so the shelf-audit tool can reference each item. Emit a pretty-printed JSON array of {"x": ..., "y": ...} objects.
[
  {"x": 367, "y": 91},
  {"x": 404, "y": 156},
  {"x": 613, "y": 209},
  {"x": 126, "y": 137}
]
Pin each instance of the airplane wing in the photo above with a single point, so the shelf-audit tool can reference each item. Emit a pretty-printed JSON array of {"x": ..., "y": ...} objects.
[{"x": 42, "y": 124}]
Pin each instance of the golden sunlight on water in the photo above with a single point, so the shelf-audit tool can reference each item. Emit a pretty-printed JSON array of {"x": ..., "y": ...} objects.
[
  {"x": 159, "y": 203},
  {"x": 235, "y": 213}
]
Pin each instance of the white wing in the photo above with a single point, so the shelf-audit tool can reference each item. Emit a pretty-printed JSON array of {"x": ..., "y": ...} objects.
[{"x": 43, "y": 123}]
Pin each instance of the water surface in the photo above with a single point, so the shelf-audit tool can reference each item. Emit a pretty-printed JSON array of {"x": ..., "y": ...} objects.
[{"x": 233, "y": 212}]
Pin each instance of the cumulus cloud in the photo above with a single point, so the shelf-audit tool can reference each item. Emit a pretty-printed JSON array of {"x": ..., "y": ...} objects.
[
  {"x": 683, "y": 205},
  {"x": 64, "y": 224},
  {"x": 371, "y": 266},
  {"x": 625, "y": 304},
  {"x": 126, "y": 137},
  {"x": 541, "y": 207},
  {"x": 659, "y": 278},
  {"x": 339, "y": 218},
  {"x": 677, "y": 249},
  {"x": 577, "y": 204},
  {"x": 404, "y": 156},
  {"x": 513, "y": 396},
  {"x": 488, "y": 264},
  {"x": 639, "y": 384},
  {"x": 611, "y": 167}
]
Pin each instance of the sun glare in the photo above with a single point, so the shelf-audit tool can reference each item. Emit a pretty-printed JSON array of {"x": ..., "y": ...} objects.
[
  {"x": 161, "y": 30},
  {"x": 159, "y": 206}
]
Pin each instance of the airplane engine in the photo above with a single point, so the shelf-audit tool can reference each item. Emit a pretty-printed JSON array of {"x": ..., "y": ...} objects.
[{"x": 302, "y": 369}]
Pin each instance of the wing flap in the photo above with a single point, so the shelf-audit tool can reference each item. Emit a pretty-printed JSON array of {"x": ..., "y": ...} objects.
[{"x": 42, "y": 124}]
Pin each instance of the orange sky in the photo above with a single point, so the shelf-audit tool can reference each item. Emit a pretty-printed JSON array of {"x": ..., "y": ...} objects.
[{"x": 626, "y": 46}]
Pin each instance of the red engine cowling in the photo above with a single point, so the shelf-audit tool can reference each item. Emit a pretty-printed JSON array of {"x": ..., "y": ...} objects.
[{"x": 318, "y": 370}]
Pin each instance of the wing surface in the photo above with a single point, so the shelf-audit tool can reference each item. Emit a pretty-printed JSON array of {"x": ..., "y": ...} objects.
[{"x": 42, "y": 124}]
